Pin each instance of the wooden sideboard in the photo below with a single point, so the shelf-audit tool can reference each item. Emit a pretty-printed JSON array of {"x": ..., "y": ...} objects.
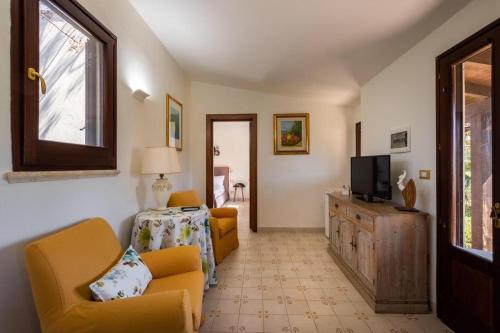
[{"x": 383, "y": 252}]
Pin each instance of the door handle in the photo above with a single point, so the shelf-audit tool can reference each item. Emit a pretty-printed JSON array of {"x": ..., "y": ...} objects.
[
  {"x": 495, "y": 215},
  {"x": 33, "y": 75}
]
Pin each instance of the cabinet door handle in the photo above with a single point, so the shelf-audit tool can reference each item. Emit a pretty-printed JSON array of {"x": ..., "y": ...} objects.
[
  {"x": 336, "y": 205},
  {"x": 353, "y": 244},
  {"x": 358, "y": 217}
]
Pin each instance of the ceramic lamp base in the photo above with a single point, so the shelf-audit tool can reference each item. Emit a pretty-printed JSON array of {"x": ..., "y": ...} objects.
[{"x": 161, "y": 191}]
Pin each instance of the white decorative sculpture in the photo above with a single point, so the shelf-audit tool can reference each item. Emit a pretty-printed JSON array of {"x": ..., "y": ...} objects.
[
  {"x": 401, "y": 179},
  {"x": 408, "y": 190}
]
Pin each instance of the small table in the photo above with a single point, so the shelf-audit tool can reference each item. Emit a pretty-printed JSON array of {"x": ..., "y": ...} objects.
[
  {"x": 239, "y": 186},
  {"x": 154, "y": 230}
]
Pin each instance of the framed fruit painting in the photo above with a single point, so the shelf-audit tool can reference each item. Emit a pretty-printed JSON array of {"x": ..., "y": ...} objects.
[{"x": 291, "y": 133}]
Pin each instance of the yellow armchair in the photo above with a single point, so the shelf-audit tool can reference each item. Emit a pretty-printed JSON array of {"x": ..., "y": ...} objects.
[
  {"x": 223, "y": 223},
  {"x": 184, "y": 198},
  {"x": 224, "y": 230},
  {"x": 62, "y": 266}
]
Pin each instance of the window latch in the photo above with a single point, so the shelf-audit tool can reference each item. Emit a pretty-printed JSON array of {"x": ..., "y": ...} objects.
[{"x": 33, "y": 75}]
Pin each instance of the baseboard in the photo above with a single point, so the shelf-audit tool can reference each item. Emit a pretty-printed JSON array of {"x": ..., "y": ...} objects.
[
  {"x": 433, "y": 307},
  {"x": 318, "y": 229}
]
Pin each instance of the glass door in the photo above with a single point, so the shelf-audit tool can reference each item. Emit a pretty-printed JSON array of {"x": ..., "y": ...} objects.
[{"x": 468, "y": 188}]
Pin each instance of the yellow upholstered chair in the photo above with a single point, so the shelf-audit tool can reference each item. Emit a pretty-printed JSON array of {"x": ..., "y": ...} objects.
[
  {"x": 223, "y": 223},
  {"x": 62, "y": 266},
  {"x": 185, "y": 198}
]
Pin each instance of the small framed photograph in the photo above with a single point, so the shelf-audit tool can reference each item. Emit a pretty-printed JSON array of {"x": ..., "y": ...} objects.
[
  {"x": 291, "y": 133},
  {"x": 174, "y": 123},
  {"x": 401, "y": 140}
]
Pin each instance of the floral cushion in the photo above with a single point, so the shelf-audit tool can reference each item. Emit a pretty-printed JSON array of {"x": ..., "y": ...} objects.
[{"x": 128, "y": 278}]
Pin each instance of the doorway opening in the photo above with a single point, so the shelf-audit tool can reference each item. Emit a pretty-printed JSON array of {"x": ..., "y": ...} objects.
[{"x": 231, "y": 165}]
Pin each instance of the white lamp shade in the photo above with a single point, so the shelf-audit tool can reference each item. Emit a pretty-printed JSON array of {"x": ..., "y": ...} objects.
[{"x": 160, "y": 160}]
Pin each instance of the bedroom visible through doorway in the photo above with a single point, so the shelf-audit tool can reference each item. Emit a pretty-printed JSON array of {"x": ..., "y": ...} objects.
[{"x": 231, "y": 165}]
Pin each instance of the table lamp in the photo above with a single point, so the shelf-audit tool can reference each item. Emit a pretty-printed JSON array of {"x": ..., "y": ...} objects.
[{"x": 161, "y": 161}]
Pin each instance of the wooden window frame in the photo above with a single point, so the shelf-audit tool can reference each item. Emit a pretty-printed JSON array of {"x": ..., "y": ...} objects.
[{"x": 28, "y": 152}]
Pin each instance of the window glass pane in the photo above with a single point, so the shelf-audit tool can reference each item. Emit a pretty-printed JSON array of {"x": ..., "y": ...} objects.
[
  {"x": 71, "y": 64},
  {"x": 473, "y": 153}
]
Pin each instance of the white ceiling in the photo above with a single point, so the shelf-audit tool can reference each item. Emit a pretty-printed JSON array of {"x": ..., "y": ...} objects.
[{"x": 321, "y": 49}]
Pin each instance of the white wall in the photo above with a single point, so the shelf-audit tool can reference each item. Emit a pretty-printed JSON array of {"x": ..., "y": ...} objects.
[
  {"x": 289, "y": 187},
  {"x": 29, "y": 211},
  {"x": 233, "y": 139},
  {"x": 404, "y": 94}
]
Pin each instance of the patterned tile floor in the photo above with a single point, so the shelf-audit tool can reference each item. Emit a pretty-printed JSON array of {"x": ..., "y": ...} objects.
[{"x": 284, "y": 281}]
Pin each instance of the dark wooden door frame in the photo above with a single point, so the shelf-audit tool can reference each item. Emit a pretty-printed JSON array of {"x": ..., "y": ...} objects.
[
  {"x": 446, "y": 252},
  {"x": 358, "y": 139},
  {"x": 252, "y": 118}
]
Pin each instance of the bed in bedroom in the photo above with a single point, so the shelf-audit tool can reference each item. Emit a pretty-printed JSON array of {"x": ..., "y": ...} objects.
[{"x": 221, "y": 185}]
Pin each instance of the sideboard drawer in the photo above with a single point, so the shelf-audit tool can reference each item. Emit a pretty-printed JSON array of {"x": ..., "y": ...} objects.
[
  {"x": 336, "y": 207},
  {"x": 362, "y": 218}
]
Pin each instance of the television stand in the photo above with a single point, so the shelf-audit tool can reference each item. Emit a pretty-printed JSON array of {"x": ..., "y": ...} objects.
[
  {"x": 382, "y": 251},
  {"x": 369, "y": 198}
]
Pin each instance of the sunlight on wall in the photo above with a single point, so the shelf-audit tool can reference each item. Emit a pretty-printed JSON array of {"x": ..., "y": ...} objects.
[{"x": 135, "y": 72}]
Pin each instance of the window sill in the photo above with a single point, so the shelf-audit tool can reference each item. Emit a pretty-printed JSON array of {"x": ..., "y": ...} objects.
[{"x": 43, "y": 176}]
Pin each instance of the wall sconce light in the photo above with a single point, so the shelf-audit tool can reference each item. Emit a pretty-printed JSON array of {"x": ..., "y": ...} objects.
[{"x": 141, "y": 95}]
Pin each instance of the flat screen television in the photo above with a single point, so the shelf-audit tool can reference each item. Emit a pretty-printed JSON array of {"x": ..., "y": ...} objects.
[{"x": 371, "y": 177}]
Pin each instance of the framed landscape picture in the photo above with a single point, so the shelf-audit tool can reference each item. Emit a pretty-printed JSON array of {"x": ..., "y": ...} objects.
[
  {"x": 401, "y": 140},
  {"x": 291, "y": 133},
  {"x": 174, "y": 123}
]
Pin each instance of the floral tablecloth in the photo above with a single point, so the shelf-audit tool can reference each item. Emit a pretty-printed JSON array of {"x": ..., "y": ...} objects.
[{"x": 154, "y": 230}]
